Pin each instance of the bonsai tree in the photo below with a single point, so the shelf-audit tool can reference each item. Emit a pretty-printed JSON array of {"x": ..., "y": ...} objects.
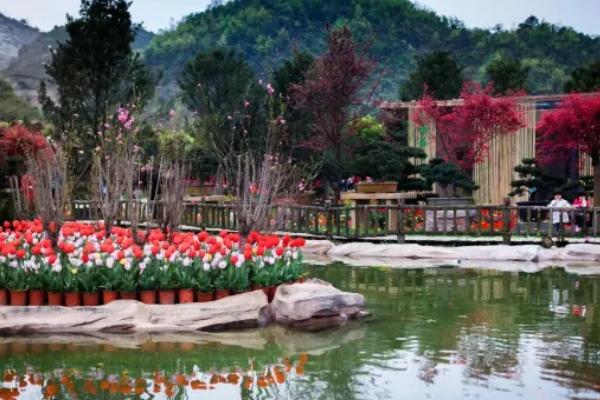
[
  {"x": 533, "y": 180},
  {"x": 450, "y": 178}
]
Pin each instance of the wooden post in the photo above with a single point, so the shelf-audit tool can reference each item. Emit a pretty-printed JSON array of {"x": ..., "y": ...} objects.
[
  {"x": 400, "y": 228},
  {"x": 506, "y": 221}
]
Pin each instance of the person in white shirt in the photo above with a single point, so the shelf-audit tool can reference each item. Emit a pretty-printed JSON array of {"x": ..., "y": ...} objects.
[{"x": 557, "y": 218}]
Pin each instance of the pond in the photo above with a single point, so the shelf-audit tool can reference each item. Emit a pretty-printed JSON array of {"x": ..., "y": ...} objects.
[{"x": 437, "y": 333}]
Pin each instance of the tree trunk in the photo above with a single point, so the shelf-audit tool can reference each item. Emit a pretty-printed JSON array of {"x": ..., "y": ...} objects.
[
  {"x": 596, "y": 167},
  {"x": 337, "y": 176}
]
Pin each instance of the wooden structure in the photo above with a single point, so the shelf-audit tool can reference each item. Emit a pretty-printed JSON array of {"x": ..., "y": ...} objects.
[
  {"x": 359, "y": 217},
  {"x": 495, "y": 173}
]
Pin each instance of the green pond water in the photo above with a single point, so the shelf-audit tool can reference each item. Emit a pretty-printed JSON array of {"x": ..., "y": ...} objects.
[{"x": 437, "y": 333}]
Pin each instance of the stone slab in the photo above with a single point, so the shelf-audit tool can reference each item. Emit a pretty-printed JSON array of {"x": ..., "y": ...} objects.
[{"x": 129, "y": 316}]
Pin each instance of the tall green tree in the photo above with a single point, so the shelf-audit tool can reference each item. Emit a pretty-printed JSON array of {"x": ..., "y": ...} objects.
[
  {"x": 95, "y": 71},
  {"x": 293, "y": 72},
  {"x": 508, "y": 75},
  {"x": 439, "y": 72},
  {"x": 584, "y": 79},
  {"x": 220, "y": 88}
]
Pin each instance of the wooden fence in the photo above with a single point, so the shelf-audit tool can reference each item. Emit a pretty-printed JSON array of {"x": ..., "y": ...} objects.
[{"x": 378, "y": 221}]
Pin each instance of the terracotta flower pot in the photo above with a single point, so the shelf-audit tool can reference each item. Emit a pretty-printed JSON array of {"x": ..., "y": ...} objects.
[
  {"x": 108, "y": 296},
  {"x": 185, "y": 296},
  {"x": 72, "y": 299},
  {"x": 166, "y": 296},
  {"x": 272, "y": 291},
  {"x": 221, "y": 293},
  {"x": 55, "y": 299},
  {"x": 37, "y": 297},
  {"x": 91, "y": 299},
  {"x": 204, "y": 297},
  {"x": 128, "y": 295},
  {"x": 3, "y": 297},
  {"x": 18, "y": 297},
  {"x": 148, "y": 296}
]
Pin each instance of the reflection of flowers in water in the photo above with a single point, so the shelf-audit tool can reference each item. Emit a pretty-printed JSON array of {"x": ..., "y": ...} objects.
[
  {"x": 33, "y": 384},
  {"x": 428, "y": 369},
  {"x": 484, "y": 354}
]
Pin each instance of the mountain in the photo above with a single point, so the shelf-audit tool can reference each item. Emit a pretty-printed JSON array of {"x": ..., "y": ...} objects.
[
  {"x": 266, "y": 31},
  {"x": 13, "y": 35},
  {"x": 27, "y": 69}
]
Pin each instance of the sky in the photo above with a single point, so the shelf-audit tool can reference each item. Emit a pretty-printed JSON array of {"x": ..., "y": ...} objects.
[{"x": 583, "y": 15}]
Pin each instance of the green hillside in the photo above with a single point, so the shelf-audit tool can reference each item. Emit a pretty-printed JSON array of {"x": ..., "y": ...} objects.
[{"x": 265, "y": 32}]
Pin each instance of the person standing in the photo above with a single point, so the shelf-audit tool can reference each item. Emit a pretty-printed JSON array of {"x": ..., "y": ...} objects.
[
  {"x": 581, "y": 217},
  {"x": 559, "y": 217}
]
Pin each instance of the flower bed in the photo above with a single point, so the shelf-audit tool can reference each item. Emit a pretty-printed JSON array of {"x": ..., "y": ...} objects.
[{"x": 90, "y": 268}]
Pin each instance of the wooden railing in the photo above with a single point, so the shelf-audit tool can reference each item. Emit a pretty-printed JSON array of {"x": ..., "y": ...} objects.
[{"x": 377, "y": 221}]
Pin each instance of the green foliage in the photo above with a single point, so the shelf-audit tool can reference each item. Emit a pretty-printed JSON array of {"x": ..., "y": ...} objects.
[
  {"x": 385, "y": 160},
  {"x": 52, "y": 280},
  {"x": 95, "y": 71},
  {"x": 185, "y": 277},
  {"x": 12, "y": 107},
  {"x": 90, "y": 279},
  {"x": 448, "y": 176},
  {"x": 584, "y": 79},
  {"x": 203, "y": 281},
  {"x": 216, "y": 82},
  {"x": 266, "y": 33},
  {"x": 368, "y": 128},
  {"x": 508, "y": 75},
  {"x": 439, "y": 72},
  {"x": 16, "y": 278},
  {"x": 148, "y": 276},
  {"x": 534, "y": 180},
  {"x": 292, "y": 72},
  {"x": 167, "y": 277},
  {"x": 239, "y": 279},
  {"x": 220, "y": 89}
]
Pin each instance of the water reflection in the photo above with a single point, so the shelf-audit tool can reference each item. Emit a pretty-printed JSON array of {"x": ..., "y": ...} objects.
[
  {"x": 439, "y": 333},
  {"x": 96, "y": 382}
]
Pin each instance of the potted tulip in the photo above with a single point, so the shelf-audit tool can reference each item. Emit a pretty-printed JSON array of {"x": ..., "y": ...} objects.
[
  {"x": 127, "y": 281},
  {"x": 52, "y": 281},
  {"x": 167, "y": 283},
  {"x": 185, "y": 282},
  {"x": 204, "y": 286},
  {"x": 71, "y": 288},
  {"x": 240, "y": 282},
  {"x": 222, "y": 281},
  {"x": 89, "y": 282},
  {"x": 37, "y": 294},
  {"x": 16, "y": 282},
  {"x": 262, "y": 279},
  {"x": 147, "y": 282},
  {"x": 109, "y": 275},
  {"x": 3, "y": 292}
]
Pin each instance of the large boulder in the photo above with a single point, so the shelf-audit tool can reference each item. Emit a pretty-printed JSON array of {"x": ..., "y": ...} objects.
[
  {"x": 416, "y": 251},
  {"x": 498, "y": 252},
  {"x": 128, "y": 316},
  {"x": 315, "y": 305},
  {"x": 581, "y": 252},
  {"x": 317, "y": 246}
]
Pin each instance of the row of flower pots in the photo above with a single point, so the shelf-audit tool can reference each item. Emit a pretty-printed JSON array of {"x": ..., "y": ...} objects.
[{"x": 73, "y": 299}]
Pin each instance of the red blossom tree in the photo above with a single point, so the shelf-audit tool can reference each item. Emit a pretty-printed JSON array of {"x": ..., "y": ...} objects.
[
  {"x": 330, "y": 89},
  {"x": 465, "y": 131},
  {"x": 574, "y": 126},
  {"x": 18, "y": 140}
]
